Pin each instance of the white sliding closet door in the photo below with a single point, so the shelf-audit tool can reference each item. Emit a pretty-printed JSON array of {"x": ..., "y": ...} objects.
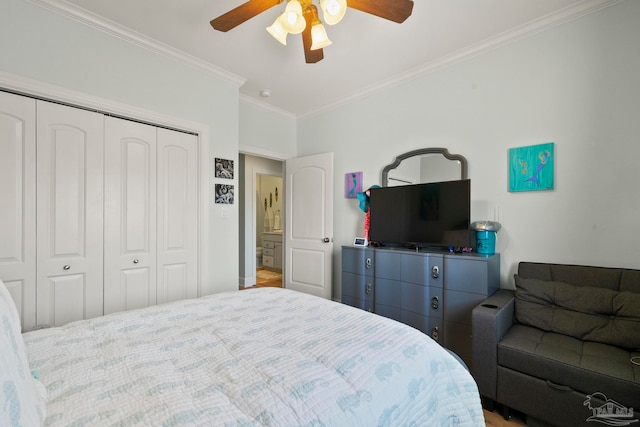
[
  {"x": 130, "y": 215},
  {"x": 177, "y": 216},
  {"x": 18, "y": 202},
  {"x": 69, "y": 214}
]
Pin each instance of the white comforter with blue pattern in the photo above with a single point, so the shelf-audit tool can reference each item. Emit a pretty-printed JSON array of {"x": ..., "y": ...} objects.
[{"x": 260, "y": 357}]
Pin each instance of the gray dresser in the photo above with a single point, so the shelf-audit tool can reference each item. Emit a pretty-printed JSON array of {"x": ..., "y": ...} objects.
[{"x": 433, "y": 291}]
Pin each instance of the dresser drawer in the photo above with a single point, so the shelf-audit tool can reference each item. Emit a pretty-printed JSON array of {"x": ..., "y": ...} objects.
[
  {"x": 267, "y": 261},
  {"x": 267, "y": 252},
  {"x": 268, "y": 244}
]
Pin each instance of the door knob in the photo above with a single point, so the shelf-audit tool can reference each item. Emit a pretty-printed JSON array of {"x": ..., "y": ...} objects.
[
  {"x": 326, "y": 240},
  {"x": 66, "y": 267}
]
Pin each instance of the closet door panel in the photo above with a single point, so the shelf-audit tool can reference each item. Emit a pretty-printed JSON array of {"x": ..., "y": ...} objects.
[
  {"x": 69, "y": 214},
  {"x": 177, "y": 215},
  {"x": 61, "y": 295},
  {"x": 130, "y": 215},
  {"x": 18, "y": 203}
]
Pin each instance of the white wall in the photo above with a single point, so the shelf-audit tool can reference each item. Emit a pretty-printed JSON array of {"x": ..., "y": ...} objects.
[
  {"x": 265, "y": 132},
  {"x": 576, "y": 85},
  {"x": 267, "y": 137},
  {"x": 40, "y": 45}
]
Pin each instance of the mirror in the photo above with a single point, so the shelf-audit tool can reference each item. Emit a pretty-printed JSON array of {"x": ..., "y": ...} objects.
[{"x": 424, "y": 165}]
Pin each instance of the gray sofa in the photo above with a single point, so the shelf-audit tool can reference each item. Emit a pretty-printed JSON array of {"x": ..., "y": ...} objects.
[{"x": 562, "y": 345}]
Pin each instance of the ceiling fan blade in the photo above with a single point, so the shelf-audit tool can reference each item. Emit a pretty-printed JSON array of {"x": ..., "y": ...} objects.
[
  {"x": 310, "y": 56},
  {"x": 393, "y": 10},
  {"x": 242, "y": 13}
]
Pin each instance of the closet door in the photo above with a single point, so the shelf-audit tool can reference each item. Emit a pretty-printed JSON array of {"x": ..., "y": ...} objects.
[
  {"x": 130, "y": 215},
  {"x": 177, "y": 216},
  {"x": 18, "y": 203},
  {"x": 69, "y": 214}
]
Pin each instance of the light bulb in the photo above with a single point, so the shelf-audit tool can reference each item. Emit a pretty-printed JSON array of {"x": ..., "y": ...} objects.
[
  {"x": 333, "y": 10},
  {"x": 319, "y": 38},
  {"x": 278, "y": 32},
  {"x": 292, "y": 19}
]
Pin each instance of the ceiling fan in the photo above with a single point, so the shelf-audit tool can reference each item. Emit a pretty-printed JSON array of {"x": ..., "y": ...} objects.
[{"x": 301, "y": 16}]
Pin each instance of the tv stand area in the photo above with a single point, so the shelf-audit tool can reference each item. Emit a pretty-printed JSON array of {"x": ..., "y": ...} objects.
[{"x": 433, "y": 291}]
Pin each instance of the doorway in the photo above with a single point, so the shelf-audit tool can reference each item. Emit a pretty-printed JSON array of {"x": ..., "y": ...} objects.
[{"x": 261, "y": 221}]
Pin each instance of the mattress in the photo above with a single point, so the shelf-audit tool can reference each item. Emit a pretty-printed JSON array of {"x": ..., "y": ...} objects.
[{"x": 258, "y": 357}]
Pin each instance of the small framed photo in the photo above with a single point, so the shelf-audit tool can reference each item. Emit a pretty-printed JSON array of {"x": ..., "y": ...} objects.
[
  {"x": 224, "y": 168},
  {"x": 352, "y": 184},
  {"x": 224, "y": 194}
]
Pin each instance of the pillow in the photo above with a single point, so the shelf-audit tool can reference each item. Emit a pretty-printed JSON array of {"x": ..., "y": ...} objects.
[
  {"x": 20, "y": 402},
  {"x": 585, "y": 312}
]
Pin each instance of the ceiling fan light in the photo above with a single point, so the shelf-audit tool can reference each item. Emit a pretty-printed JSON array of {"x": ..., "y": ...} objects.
[
  {"x": 333, "y": 10},
  {"x": 319, "y": 38},
  {"x": 278, "y": 32},
  {"x": 292, "y": 19}
]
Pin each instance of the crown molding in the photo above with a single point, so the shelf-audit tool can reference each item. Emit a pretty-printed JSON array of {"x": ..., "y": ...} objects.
[
  {"x": 109, "y": 27},
  {"x": 531, "y": 28},
  {"x": 251, "y": 100},
  {"x": 527, "y": 30}
]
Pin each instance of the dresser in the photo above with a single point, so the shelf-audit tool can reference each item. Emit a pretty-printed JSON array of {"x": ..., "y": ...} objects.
[{"x": 433, "y": 291}]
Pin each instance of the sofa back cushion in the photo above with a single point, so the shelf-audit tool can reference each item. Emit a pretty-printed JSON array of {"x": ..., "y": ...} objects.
[
  {"x": 617, "y": 279},
  {"x": 588, "y": 313}
]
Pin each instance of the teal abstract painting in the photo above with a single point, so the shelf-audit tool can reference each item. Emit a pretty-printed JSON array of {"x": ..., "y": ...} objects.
[{"x": 531, "y": 168}]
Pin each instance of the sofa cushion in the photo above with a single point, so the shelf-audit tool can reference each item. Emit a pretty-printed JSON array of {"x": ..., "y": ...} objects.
[
  {"x": 584, "y": 312},
  {"x": 586, "y": 367}
]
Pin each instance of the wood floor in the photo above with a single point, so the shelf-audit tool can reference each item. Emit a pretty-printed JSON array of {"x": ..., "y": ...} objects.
[
  {"x": 267, "y": 278},
  {"x": 495, "y": 419}
]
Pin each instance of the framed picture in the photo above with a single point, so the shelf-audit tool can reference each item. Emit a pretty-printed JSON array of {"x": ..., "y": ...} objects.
[
  {"x": 352, "y": 184},
  {"x": 224, "y": 168},
  {"x": 224, "y": 194},
  {"x": 532, "y": 168}
]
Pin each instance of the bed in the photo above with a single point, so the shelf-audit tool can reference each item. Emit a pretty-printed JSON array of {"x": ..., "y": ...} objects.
[{"x": 257, "y": 357}]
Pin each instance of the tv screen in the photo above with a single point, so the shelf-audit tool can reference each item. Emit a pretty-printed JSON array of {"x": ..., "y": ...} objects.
[{"x": 422, "y": 215}]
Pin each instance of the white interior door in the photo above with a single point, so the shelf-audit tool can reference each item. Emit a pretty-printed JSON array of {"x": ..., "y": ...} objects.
[
  {"x": 309, "y": 224},
  {"x": 70, "y": 199},
  {"x": 130, "y": 215},
  {"x": 177, "y": 254},
  {"x": 18, "y": 202}
]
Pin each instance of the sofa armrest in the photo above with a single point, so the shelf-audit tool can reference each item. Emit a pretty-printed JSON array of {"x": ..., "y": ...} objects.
[{"x": 490, "y": 321}]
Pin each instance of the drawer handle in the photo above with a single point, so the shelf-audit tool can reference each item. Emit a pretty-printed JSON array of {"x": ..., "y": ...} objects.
[
  {"x": 434, "y": 333},
  {"x": 367, "y": 289},
  {"x": 368, "y": 263},
  {"x": 558, "y": 386},
  {"x": 435, "y": 303},
  {"x": 135, "y": 261},
  {"x": 435, "y": 272},
  {"x": 66, "y": 267}
]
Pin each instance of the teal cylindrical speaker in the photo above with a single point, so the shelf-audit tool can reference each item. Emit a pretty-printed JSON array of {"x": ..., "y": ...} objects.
[
  {"x": 486, "y": 242},
  {"x": 486, "y": 236}
]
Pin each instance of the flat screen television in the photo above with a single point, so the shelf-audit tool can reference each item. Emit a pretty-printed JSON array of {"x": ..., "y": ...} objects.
[{"x": 422, "y": 215}]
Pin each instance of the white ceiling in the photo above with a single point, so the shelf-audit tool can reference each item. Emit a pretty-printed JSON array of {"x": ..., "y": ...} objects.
[{"x": 367, "y": 52}]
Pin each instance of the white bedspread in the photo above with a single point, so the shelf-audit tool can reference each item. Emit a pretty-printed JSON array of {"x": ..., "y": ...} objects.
[{"x": 260, "y": 357}]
